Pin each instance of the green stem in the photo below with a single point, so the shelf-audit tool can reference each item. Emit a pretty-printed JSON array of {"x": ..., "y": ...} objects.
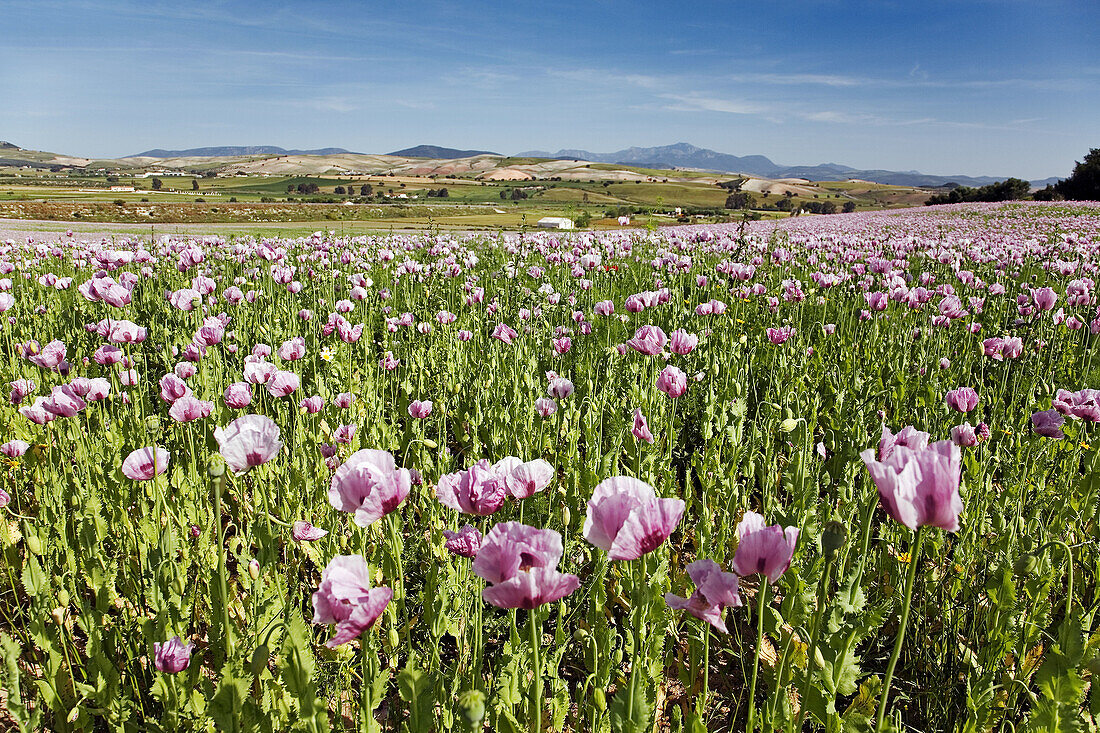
[
  {"x": 914, "y": 558},
  {"x": 760, "y": 600},
  {"x": 536, "y": 680},
  {"x": 815, "y": 637}
]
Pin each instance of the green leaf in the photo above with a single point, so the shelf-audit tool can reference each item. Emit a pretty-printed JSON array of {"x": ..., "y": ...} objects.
[
  {"x": 632, "y": 718},
  {"x": 35, "y": 580},
  {"x": 415, "y": 687},
  {"x": 228, "y": 701}
]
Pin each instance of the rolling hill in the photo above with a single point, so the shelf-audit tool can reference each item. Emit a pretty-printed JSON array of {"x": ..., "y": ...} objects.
[
  {"x": 234, "y": 150},
  {"x": 438, "y": 153}
]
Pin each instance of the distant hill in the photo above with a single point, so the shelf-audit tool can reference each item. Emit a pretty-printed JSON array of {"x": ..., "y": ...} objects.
[
  {"x": 232, "y": 150},
  {"x": 436, "y": 152},
  {"x": 5, "y": 145},
  {"x": 685, "y": 155}
]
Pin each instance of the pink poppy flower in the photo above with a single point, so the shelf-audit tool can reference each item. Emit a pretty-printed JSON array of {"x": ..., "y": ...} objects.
[
  {"x": 672, "y": 381},
  {"x": 344, "y": 434},
  {"x": 282, "y": 384},
  {"x": 478, "y": 490},
  {"x": 188, "y": 408},
  {"x": 50, "y": 357},
  {"x": 420, "y": 410},
  {"x": 144, "y": 464},
  {"x": 238, "y": 395},
  {"x": 369, "y": 485},
  {"x": 107, "y": 355},
  {"x": 64, "y": 402},
  {"x": 545, "y": 407},
  {"x": 312, "y": 405},
  {"x": 920, "y": 486},
  {"x": 126, "y": 332},
  {"x": 20, "y": 388},
  {"x": 293, "y": 349},
  {"x": 520, "y": 563},
  {"x": 248, "y": 441},
  {"x": 1048, "y": 423},
  {"x": 346, "y": 599},
  {"x": 964, "y": 435},
  {"x": 763, "y": 549},
  {"x": 682, "y": 342},
  {"x": 963, "y": 399},
  {"x": 779, "y": 335},
  {"x": 527, "y": 479},
  {"x": 560, "y": 387},
  {"x": 344, "y": 400},
  {"x": 303, "y": 531},
  {"x": 715, "y": 591},
  {"x": 641, "y": 427},
  {"x": 504, "y": 333},
  {"x": 173, "y": 388},
  {"x": 626, "y": 519},
  {"x": 388, "y": 362},
  {"x": 14, "y": 448},
  {"x": 908, "y": 437},
  {"x": 259, "y": 372},
  {"x": 173, "y": 656},
  {"x": 648, "y": 340},
  {"x": 37, "y": 412},
  {"x": 466, "y": 542}
]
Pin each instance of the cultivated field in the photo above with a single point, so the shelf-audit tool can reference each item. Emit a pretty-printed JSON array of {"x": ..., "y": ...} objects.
[{"x": 826, "y": 473}]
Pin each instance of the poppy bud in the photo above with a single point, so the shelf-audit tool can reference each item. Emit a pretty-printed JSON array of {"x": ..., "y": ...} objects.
[
  {"x": 600, "y": 699},
  {"x": 260, "y": 658},
  {"x": 393, "y": 638},
  {"x": 788, "y": 425},
  {"x": 34, "y": 544},
  {"x": 472, "y": 703},
  {"x": 216, "y": 467},
  {"x": 63, "y": 597},
  {"x": 1025, "y": 565},
  {"x": 254, "y": 568},
  {"x": 832, "y": 539},
  {"x": 152, "y": 425}
]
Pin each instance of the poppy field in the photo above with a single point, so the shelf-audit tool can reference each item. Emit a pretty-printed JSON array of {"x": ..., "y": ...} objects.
[{"x": 838, "y": 473}]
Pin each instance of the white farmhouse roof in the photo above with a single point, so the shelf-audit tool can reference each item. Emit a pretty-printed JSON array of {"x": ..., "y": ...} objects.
[{"x": 555, "y": 222}]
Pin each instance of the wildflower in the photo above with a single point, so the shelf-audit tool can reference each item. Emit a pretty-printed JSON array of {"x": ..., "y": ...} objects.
[
  {"x": 648, "y": 340},
  {"x": 641, "y": 427},
  {"x": 715, "y": 592},
  {"x": 328, "y": 354},
  {"x": 466, "y": 542},
  {"x": 145, "y": 463},
  {"x": 1048, "y": 423},
  {"x": 303, "y": 531},
  {"x": 767, "y": 550},
  {"x": 919, "y": 486},
  {"x": 626, "y": 519},
  {"x": 248, "y": 441},
  {"x": 520, "y": 563},
  {"x": 963, "y": 399},
  {"x": 346, "y": 599},
  {"x": 173, "y": 656},
  {"x": 369, "y": 485},
  {"x": 672, "y": 381}
]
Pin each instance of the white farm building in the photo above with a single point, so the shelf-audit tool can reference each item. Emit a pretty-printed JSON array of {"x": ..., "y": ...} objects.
[{"x": 555, "y": 222}]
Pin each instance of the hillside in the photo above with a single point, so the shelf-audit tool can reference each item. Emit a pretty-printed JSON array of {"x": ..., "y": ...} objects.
[{"x": 434, "y": 151}]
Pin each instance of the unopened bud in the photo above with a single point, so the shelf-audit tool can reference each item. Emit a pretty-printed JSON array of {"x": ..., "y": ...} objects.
[
  {"x": 472, "y": 703},
  {"x": 833, "y": 538},
  {"x": 254, "y": 568},
  {"x": 1025, "y": 565},
  {"x": 216, "y": 467}
]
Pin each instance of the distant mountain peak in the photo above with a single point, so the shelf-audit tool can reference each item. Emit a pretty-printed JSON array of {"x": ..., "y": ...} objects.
[
  {"x": 437, "y": 152},
  {"x": 686, "y": 155},
  {"x": 232, "y": 150}
]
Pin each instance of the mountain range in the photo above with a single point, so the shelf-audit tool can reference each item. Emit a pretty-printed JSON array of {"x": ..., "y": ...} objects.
[
  {"x": 685, "y": 155},
  {"x": 438, "y": 153}
]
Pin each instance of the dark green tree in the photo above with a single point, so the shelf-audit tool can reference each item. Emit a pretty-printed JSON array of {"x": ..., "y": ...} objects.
[
  {"x": 1084, "y": 183},
  {"x": 157, "y": 183},
  {"x": 738, "y": 200}
]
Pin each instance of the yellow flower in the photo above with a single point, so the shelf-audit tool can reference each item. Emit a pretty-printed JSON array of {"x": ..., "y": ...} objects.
[
  {"x": 959, "y": 569},
  {"x": 1085, "y": 445},
  {"x": 903, "y": 557}
]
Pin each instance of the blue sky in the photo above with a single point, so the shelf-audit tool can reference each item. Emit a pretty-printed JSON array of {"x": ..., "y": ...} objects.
[{"x": 993, "y": 87}]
